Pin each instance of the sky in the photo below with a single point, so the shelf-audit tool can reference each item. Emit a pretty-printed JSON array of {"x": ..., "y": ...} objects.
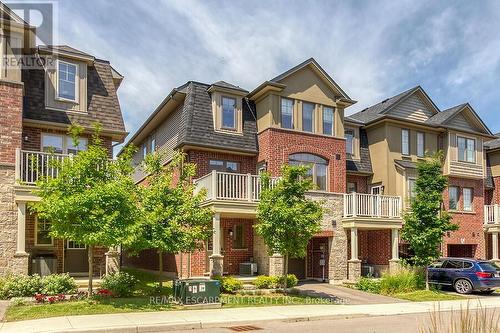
[{"x": 372, "y": 49}]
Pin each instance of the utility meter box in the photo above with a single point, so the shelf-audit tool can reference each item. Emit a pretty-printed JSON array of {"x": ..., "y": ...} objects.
[{"x": 197, "y": 291}]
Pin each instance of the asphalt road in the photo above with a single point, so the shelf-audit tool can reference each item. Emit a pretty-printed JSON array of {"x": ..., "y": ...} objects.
[{"x": 412, "y": 323}]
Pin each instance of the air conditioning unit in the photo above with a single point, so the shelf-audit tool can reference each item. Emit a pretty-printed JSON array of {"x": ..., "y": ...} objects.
[
  {"x": 44, "y": 266},
  {"x": 248, "y": 268},
  {"x": 367, "y": 271}
]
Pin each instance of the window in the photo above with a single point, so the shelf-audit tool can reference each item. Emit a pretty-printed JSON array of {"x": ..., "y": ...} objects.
[
  {"x": 72, "y": 149},
  {"x": 453, "y": 197},
  {"x": 308, "y": 117},
  {"x": 453, "y": 264},
  {"x": 144, "y": 150},
  {"x": 52, "y": 143},
  {"x": 224, "y": 166},
  {"x": 352, "y": 187},
  {"x": 152, "y": 144},
  {"x": 318, "y": 168},
  {"x": 67, "y": 81},
  {"x": 286, "y": 113},
  {"x": 239, "y": 237},
  {"x": 405, "y": 142},
  {"x": 42, "y": 235},
  {"x": 468, "y": 197},
  {"x": 328, "y": 120},
  {"x": 420, "y": 144},
  {"x": 411, "y": 188},
  {"x": 349, "y": 139},
  {"x": 228, "y": 113},
  {"x": 466, "y": 149},
  {"x": 72, "y": 245}
]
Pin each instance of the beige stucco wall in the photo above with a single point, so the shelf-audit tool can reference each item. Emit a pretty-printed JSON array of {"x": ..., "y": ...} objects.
[{"x": 495, "y": 163}]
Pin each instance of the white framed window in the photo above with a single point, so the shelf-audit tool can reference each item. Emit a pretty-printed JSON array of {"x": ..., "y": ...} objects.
[
  {"x": 318, "y": 168},
  {"x": 405, "y": 142},
  {"x": 144, "y": 150},
  {"x": 307, "y": 117},
  {"x": 467, "y": 198},
  {"x": 328, "y": 120},
  {"x": 72, "y": 245},
  {"x": 239, "y": 237},
  {"x": 420, "y": 144},
  {"x": 67, "y": 81},
  {"x": 453, "y": 198},
  {"x": 287, "y": 113},
  {"x": 152, "y": 144},
  {"x": 466, "y": 149},
  {"x": 42, "y": 233},
  {"x": 224, "y": 166},
  {"x": 62, "y": 144},
  {"x": 71, "y": 148},
  {"x": 349, "y": 142},
  {"x": 411, "y": 188},
  {"x": 377, "y": 190},
  {"x": 228, "y": 113}
]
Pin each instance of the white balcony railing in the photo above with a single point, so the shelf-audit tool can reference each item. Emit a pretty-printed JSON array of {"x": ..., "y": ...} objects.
[
  {"x": 371, "y": 205},
  {"x": 491, "y": 214},
  {"x": 34, "y": 165},
  {"x": 231, "y": 186}
]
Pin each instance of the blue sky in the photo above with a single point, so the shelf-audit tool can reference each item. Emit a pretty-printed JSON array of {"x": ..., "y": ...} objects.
[{"x": 373, "y": 49}]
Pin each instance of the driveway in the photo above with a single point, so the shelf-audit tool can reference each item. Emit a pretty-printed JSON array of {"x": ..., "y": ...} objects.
[{"x": 347, "y": 295}]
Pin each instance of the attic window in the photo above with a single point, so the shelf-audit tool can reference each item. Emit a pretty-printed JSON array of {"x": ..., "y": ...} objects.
[
  {"x": 67, "y": 74},
  {"x": 228, "y": 113}
]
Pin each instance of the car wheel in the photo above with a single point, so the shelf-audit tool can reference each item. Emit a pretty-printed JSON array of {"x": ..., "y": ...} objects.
[{"x": 463, "y": 286}]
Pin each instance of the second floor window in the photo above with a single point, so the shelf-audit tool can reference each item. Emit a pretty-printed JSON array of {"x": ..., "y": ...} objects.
[
  {"x": 286, "y": 113},
  {"x": 405, "y": 142},
  {"x": 327, "y": 120},
  {"x": 307, "y": 117},
  {"x": 318, "y": 168},
  {"x": 228, "y": 113},
  {"x": 67, "y": 81},
  {"x": 420, "y": 144},
  {"x": 224, "y": 166},
  {"x": 349, "y": 142},
  {"x": 466, "y": 149},
  {"x": 62, "y": 144},
  {"x": 468, "y": 197},
  {"x": 453, "y": 198}
]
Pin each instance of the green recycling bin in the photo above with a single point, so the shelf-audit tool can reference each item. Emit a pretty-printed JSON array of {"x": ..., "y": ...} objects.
[{"x": 197, "y": 291}]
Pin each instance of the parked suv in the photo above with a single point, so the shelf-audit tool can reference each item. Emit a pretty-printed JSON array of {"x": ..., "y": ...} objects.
[{"x": 465, "y": 275}]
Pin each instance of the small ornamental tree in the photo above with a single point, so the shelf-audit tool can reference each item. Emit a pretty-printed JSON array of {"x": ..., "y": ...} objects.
[
  {"x": 173, "y": 220},
  {"x": 427, "y": 222},
  {"x": 286, "y": 219},
  {"x": 93, "y": 200}
]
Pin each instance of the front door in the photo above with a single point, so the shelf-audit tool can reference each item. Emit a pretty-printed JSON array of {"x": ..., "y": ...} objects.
[{"x": 76, "y": 258}]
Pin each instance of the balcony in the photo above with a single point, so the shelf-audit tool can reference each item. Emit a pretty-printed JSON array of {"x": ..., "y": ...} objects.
[
  {"x": 32, "y": 166},
  {"x": 370, "y": 211},
  {"x": 492, "y": 218}
]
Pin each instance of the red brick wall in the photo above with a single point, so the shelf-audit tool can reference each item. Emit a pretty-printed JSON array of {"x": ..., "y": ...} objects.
[
  {"x": 374, "y": 246},
  {"x": 361, "y": 181},
  {"x": 11, "y": 97},
  {"x": 248, "y": 164},
  {"x": 470, "y": 223},
  {"x": 275, "y": 145},
  {"x": 233, "y": 257},
  {"x": 495, "y": 193}
]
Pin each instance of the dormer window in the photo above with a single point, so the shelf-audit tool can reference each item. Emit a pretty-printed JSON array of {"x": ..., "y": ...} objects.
[
  {"x": 228, "y": 113},
  {"x": 67, "y": 83}
]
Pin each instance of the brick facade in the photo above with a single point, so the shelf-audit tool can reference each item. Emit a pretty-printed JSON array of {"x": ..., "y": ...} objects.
[
  {"x": 360, "y": 181},
  {"x": 275, "y": 145}
]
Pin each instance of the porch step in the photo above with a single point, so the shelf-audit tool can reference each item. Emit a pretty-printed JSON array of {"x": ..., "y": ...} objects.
[{"x": 248, "y": 286}]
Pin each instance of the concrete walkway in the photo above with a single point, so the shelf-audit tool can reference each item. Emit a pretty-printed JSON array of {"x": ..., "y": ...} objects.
[
  {"x": 348, "y": 295},
  {"x": 191, "y": 319}
]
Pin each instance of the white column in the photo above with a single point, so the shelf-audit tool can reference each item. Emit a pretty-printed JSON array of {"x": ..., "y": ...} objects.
[
  {"x": 494, "y": 245},
  {"x": 21, "y": 228},
  {"x": 216, "y": 234},
  {"x": 395, "y": 244},
  {"x": 249, "y": 187},
  {"x": 354, "y": 243}
]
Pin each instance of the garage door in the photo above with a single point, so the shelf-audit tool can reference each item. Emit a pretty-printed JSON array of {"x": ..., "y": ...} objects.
[
  {"x": 297, "y": 266},
  {"x": 461, "y": 250}
]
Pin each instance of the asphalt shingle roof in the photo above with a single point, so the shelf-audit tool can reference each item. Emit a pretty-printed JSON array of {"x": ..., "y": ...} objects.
[
  {"x": 364, "y": 165},
  {"x": 225, "y": 84},
  {"x": 441, "y": 117},
  {"x": 406, "y": 164},
  {"x": 493, "y": 144}
]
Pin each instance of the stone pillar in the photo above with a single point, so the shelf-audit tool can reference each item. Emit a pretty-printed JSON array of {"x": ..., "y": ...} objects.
[
  {"x": 216, "y": 259},
  {"x": 21, "y": 229},
  {"x": 112, "y": 261},
  {"x": 394, "y": 263},
  {"x": 494, "y": 246},
  {"x": 354, "y": 264},
  {"x": 276, "y": 265}
]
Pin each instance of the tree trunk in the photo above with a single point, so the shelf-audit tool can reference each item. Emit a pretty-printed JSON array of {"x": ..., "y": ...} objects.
[
  {"x": 426, "y": 278},
  {"x": 285, "y": 271},
  {"x": 160, "y": 268},
  {"x": 91, "y": 268}
]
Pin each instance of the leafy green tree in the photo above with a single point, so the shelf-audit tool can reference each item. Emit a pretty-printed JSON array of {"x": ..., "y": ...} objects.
[
  {"x": 93, "y": 200},
  {"x": 427, "y": 222},
  {"x": 286, "y": 219},
  {"x": 173, "y": 220}
]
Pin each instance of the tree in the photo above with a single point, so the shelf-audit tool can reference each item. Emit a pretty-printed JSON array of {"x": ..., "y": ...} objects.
[
  {"x": 93, "y": 199},
  {"x": 173, "y": 221},
  {"x": 427, "y": 222},
  {"x": 286, "y": 219}
]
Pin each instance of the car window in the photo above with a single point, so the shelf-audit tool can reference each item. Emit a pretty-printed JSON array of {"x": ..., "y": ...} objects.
[
  {"x": 437, "y": 264},
  {"x": 468, "y": 264},
  {"x": 486, "y": 266},
  {"x": 453, "y": 264}
]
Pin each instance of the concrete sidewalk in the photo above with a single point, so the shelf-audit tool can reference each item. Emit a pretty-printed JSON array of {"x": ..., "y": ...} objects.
[{"x": 191, "y": 319}]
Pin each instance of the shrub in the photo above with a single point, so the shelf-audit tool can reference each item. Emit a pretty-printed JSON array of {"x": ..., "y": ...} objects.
[
  {"x": 368, "y": 285},
  {"x": 229, "y": 284},
  {"x": 402, "y": 282},
  {"x": 121, "y": 284},
  {"x": 20, "y": 286},
  {"x": 265, "y": 282},
  {"x": 291, "y": 281},
  {"x": 58, "y": 284}
]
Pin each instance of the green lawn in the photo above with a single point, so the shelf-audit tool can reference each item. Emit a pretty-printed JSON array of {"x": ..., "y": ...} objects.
[{"x": 427, "y": 295}]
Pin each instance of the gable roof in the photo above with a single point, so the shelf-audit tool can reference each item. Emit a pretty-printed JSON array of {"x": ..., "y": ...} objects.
[
  {"x": 9, "y": 14},
  {"x": 66, "y": 50},
  {"x": 443, "y": 118},
  {"x": 493, "y": 144},
  {"x": 379, "y": 110},
  {"x": 224, "y": 84}
]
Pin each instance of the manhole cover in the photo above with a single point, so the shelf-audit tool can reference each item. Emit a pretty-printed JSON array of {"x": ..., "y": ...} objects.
[{"x": 244, "y": 328}]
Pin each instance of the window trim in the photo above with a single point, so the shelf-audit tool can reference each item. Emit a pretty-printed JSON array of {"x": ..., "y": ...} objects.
[
  {"x": 471, "y": 199},
  {"x": 235, "y": 114},
  {"x": 64, "y": 142},
  {"x": 323, "y": 108},
  {"x": 36, "y": 235},
  {"x": 77, "y": 83},
  {"x": 314, "y": 169},
  {"x": 465, "y": 151},
  {"x": 292, "y": 114},
  {"x": 423, "y": 144},
  {"x": 313, "y": 110},
  {"x": 457, "y": 189},
  {"x": 74, "y": 248},
  {"x": 405, "y": 130},
  {"x": 351, "y": 153}
]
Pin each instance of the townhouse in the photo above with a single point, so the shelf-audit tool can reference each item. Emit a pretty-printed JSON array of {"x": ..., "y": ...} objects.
[
  {"x": 37, "y": 104},
  {"x": 363, "y": 165}
]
